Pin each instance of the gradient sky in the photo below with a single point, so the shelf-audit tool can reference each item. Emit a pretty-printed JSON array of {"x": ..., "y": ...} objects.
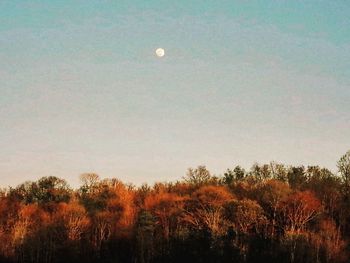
[{"x": 81, "y": 89}]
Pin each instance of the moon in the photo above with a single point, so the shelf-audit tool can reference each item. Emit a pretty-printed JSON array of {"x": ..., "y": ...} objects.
[{"x": 160, "y": 52}]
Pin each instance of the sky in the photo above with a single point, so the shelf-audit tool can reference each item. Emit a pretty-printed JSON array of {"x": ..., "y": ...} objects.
[{"x": 81, "y": 89}]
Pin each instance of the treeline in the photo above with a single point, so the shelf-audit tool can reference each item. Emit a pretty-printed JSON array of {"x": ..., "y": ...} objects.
[{"x": 271, "y": 213}]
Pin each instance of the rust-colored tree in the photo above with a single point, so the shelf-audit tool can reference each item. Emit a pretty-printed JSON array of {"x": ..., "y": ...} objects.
[
  {"x": 205, "y": 208},
  {"x": 167, "y": 209},
  {"x": 298, "y": 209}
]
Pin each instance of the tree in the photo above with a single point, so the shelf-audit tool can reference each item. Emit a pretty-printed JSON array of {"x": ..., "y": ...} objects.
[
  {"x": 45, "y": 191},
  {"x": 246, "y": 215},
  {"x": 90, "y": 182},
  {"x": 279, "y": 171},
  {"x": 264, "y": 215},
  {"x": 145, "y": 226},
  {"x": 344, "y": 170},
  {"x": 166, "y": 208},
  {"x": 206, "y": 206},
  {"x": 298, "y": 209},
  {"x": 102, "y": 223},
  {"x": 296, "y": 177},
  {"x": 248, "y": 219},
  {"x": 271, "y": 194},
  {"x": 74, "y": 219},
  {"x": 328, "y": 242},
  {"x": 326, "y": 187},
  {"x": 231, "y": 176},
  {"x": 121, "y": 202},
  {"x": 198, "y": 176},
  {"x": 53, "y": 189},
  {"x": 260, "y": 172},
  {"x": 29, "y": 234}
]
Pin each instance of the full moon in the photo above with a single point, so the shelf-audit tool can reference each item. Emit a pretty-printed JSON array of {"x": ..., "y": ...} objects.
[{"x": 160, "y": 52}]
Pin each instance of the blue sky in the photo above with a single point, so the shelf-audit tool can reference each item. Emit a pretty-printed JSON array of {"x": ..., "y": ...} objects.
[{"x": 81, "y": 89}]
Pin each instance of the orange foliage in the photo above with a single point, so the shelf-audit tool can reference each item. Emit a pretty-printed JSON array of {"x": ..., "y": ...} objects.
[
  {"x": 125, "y": 200},
  {"x": 30, "y": 218},
  {"x": 74, "y": 218},
  {"x": 298, "y": 209},
  {"x": 165, "y": 206},
  {"x": 212, "y": 195},
  {"x": 205, "y": 208},
  {"x": 246, "y": 215}
]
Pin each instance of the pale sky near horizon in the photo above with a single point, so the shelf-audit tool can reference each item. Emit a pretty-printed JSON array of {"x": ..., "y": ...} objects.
[{"x": 81, "y": 89}]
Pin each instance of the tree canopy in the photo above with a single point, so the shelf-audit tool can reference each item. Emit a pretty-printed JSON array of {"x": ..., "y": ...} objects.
[{"x": 271, "y": 212}]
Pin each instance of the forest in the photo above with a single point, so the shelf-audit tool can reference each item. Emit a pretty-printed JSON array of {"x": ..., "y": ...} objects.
[{"x": 269, "y": 213}]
